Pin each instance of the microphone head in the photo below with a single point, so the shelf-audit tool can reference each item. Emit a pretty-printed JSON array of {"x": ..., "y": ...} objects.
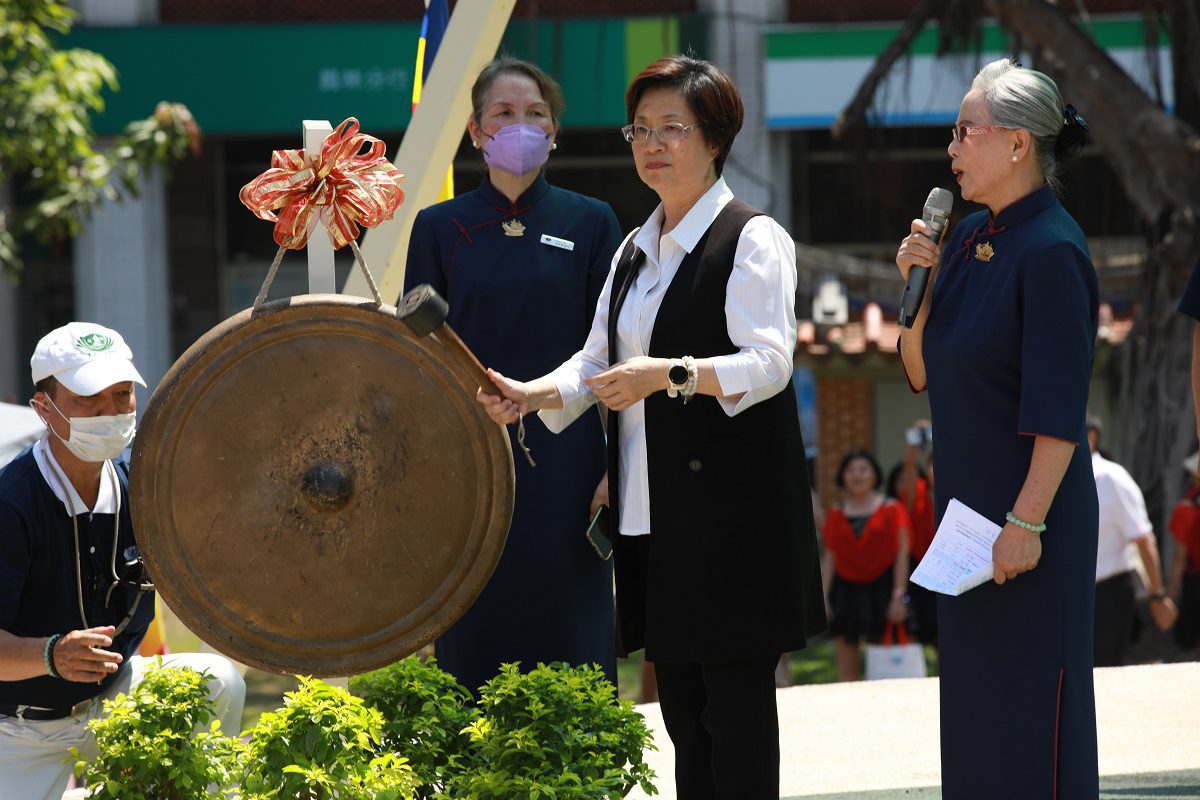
[{"x": 940, "y": 201}]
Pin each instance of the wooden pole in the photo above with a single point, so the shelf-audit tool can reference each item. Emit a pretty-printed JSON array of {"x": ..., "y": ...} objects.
[{"x": 433, "y": 137}]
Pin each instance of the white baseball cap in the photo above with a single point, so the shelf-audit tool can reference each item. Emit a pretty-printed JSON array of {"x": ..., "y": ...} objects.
[{"x": 85, "y": 357}]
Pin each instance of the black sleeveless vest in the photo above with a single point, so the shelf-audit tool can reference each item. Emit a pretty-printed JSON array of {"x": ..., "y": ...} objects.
[{"x": 730, "y": 569}]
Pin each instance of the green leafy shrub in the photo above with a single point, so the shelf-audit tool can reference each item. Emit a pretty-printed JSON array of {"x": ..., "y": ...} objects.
[
  {"x": 148, "y": 745},
  {"x": 323, "y": 744},
  {"x": 425, "y": 713},
  {"x": 555, "y": 732}
]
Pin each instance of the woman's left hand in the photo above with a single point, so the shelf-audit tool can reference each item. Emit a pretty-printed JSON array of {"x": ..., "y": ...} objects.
[
  {"x": 599, "y": 497},
  {"x": 1015, "y": 550},
  {"x": 897, "y": 612},
  {"x": 634, "y": 379}
]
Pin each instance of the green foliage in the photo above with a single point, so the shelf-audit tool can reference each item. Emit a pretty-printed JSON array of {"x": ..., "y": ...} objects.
[
  {"x": 147, "y": 746},
  {"x": 47, "y": 97},
  {"x": 425, "y": 711},
  {"x": 323, "y": 744},
  {"x": 555, "y": 732}
]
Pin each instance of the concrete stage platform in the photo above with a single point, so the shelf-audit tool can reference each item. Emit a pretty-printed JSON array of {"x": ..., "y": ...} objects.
[{"x": 879, "y": 740}]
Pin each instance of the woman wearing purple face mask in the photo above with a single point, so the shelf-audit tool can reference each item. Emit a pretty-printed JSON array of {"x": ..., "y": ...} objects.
[{"x": 521, "y": 264}]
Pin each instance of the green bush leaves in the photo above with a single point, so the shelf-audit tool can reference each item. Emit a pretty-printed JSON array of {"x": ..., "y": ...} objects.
[
  {"x": 157, "y": 742},
  {"x": 555, "y": 732}
]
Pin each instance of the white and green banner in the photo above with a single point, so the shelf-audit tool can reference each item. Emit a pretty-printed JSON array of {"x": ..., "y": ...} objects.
[{"x": 812, "y": 72}]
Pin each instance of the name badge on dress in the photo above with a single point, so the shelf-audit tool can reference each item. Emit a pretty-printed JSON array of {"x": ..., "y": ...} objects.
[{"x": 554, "y": 241}]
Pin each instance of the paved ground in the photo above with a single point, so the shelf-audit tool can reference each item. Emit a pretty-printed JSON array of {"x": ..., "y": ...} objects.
[{"x": 1149, "y": 737}]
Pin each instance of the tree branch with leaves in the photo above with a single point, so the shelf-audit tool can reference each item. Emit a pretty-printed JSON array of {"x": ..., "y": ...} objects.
[{"x": 49, "y": 150}]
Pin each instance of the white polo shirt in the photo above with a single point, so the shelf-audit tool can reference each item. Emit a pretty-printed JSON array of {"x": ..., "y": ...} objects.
[{"x": 1123, "y": 518}]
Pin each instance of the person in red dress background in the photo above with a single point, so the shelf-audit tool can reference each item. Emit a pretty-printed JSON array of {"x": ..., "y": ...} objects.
[
  {"x": 1184, "y": 583},
  {"x": 865, "y": 565},
  {"x": 911, "y": 482}
]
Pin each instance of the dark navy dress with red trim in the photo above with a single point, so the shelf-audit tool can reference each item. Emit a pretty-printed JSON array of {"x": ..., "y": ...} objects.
[
  {"x": 1008, "y": 355},
  {"x": 1189, "y": 303},
  {"x": 524, "y": 306}
]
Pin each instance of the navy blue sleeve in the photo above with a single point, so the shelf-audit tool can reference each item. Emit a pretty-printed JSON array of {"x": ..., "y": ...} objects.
[
  {"x": 1189, "y": 304},
  {"x": 424, "y": 264},
  {"x": 14, "y": 563},
  {"x": 1059, "y": 304}
]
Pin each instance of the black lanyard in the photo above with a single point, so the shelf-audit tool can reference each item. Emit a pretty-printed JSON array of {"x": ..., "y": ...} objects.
[{"x": 142, "y": 586}]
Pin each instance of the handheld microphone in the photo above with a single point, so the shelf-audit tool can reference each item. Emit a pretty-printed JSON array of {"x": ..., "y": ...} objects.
[{"x": 936, "y": 214}]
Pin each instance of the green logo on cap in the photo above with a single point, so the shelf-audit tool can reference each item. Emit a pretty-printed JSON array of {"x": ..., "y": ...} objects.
[{"x": 96, "y": 342}]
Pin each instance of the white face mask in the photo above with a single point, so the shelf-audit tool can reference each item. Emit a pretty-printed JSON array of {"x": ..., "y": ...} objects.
[{"x": 97, "y": 438}]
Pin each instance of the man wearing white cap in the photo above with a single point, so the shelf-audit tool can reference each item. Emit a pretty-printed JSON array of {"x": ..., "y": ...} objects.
[{"x": 74, "y": 599}]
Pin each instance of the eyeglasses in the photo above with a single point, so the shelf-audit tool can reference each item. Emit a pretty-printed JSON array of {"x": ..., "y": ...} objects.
[
  {"x": 671, "y": 132},
  {"x": 960, "y": 132}
]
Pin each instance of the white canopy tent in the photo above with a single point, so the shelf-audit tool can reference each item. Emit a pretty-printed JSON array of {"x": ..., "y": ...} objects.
[{"x": 19, "y": 427}]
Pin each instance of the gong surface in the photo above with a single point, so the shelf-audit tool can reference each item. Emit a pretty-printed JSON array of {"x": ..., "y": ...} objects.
[{"x": 315, "y": 488}]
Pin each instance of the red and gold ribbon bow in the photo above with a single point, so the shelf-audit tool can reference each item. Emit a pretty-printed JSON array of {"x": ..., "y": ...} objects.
[{"x": 347, "y": 187}]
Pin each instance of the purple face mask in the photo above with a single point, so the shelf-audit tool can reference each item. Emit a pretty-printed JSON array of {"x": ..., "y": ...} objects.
[{"x": 517, "y": 149}]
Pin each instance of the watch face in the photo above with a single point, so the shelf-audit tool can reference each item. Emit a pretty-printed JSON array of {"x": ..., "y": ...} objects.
[{"x": 677, "y": 374}]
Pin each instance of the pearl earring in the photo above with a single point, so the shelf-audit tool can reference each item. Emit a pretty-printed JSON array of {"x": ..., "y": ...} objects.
[
  {"x": 1014, "y": 158},
  {"x": 554, "y": 145},
  {"x": 475, "y": 144}
]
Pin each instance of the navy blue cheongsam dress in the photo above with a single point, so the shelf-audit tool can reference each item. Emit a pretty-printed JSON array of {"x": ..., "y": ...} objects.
[
  {"x": 522, "y": 280},
  {"x": 1008, "y": 356}
]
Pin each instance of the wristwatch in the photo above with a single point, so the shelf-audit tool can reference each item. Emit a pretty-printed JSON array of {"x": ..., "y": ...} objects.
[{"x": 677, "y": 375}]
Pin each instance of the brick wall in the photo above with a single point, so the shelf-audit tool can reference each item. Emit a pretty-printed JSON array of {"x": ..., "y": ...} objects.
[{"x": 845, "y": 420}]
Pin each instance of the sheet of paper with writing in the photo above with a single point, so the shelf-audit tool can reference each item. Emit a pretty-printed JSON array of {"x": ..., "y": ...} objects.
[{"x": 960, "y": 556}]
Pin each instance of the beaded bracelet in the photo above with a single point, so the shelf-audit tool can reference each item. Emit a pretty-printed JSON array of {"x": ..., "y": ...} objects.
[
  {"x": 1020, "y": 523},
  {"x": 693, "y": 381},
  {"x": 48, "y": 655}
]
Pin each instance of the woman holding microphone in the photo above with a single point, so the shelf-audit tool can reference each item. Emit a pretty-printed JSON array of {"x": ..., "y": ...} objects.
[{"x": 1004, "y": 343}]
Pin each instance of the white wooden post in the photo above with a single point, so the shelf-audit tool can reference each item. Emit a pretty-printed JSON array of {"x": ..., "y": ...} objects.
[
  {"x": 433, "y": 136},
  {"x": 320, "y": 248},
  {"x": 321, "y": 279}
]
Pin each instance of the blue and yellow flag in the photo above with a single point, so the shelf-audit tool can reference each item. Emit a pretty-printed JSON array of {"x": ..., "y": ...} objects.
[{"x": 433, "y": 28}]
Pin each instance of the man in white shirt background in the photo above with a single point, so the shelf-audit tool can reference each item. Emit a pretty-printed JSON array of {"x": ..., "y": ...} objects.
[{"x": 1125, "y": 536}]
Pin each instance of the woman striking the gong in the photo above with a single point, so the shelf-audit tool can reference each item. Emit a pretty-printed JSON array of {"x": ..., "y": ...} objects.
[{"x": 691, "y": 353}]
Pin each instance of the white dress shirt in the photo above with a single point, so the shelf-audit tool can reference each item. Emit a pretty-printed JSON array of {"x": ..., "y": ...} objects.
[
  {"x": 760, "y": 315},
  {"x": 1123, "y": 518}
]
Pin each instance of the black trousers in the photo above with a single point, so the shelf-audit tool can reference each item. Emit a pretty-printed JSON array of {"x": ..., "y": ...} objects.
[
  {"x": 1116, "y": 607},
  {"x": 722, "y": 718}
]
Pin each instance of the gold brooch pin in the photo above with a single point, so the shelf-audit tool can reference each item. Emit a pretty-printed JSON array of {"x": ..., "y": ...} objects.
[
  {"x": 984, "y": 251},
  {"x": 513, "y": 228}
]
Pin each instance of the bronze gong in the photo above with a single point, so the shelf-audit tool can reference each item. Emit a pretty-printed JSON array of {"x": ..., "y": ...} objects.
[{"x": 316, "y": 489}]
